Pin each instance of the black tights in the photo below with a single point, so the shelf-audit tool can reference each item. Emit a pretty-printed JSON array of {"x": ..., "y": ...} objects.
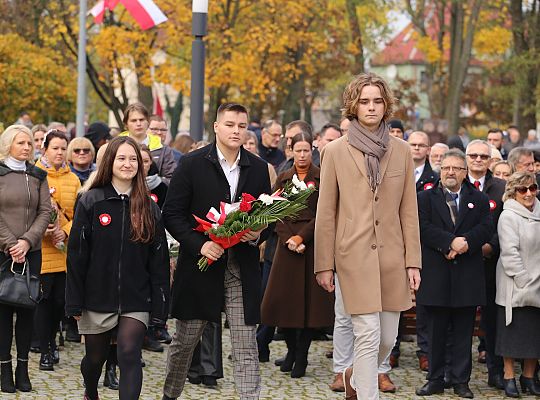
[
  {"x": 130, "y": 338},
  {"x": 50, "y": 309},
  {"x": 23, "y": 331}
]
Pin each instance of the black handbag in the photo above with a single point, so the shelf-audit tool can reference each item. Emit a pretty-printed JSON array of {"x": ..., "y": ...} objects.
[{"x": 18, "y": 287}]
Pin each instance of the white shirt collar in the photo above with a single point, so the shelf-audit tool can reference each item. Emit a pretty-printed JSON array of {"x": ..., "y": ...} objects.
[
  {"x": 222, "y": 158},
  {"x": 482, "y": 180},
  {"x": 418, "y": 171}
]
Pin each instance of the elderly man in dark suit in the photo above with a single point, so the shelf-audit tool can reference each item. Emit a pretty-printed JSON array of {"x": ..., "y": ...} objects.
[
  {"x": 478, "y": 160},
  {"x": 221, "y": 171},
  {"x": 455, "y": 223}
]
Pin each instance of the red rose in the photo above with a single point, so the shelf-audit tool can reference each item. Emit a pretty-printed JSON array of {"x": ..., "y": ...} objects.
[
  {"x": 246, "y": 197},
  {"x": 245, "y": 206}
]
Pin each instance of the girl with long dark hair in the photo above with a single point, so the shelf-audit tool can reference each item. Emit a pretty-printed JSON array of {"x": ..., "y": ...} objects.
[{"x": 118, "y": 267}]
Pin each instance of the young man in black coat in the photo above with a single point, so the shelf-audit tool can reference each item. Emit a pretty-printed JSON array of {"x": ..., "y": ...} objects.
[
  {"x": 219, "y": 172},
  {"x": 455, "y": 222},
  {"x": 478, "y": 159}
]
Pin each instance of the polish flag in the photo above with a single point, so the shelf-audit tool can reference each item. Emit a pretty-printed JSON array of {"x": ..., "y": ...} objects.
[
  {"x": 157, "y": 109},
  {"x": 146, "y": 12},
  {"x": 98, "y": 11}
]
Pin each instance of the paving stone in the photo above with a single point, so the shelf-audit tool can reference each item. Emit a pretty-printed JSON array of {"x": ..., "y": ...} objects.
[{"x": 66, "y": 381}]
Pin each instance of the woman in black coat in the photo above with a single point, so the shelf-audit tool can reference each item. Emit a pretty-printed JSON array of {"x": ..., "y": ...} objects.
[{"x": 118, "y": 267}]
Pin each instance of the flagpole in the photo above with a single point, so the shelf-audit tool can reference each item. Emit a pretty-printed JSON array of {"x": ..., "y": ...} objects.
[
  {"x": 199, "y": 30},
  {"x": 81, "y": 70}
]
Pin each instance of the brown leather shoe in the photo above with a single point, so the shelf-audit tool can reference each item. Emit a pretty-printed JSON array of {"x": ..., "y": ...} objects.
[
  {"x": 385, "y": 384},
  {"x": 423, "y": 363},
  {"x": 337, "y": 385},
  {"x": 350, "y": 393},
  {"x": 394, "y": 361}
]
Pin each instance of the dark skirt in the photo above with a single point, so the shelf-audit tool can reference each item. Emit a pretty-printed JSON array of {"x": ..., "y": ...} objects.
[{"x": 520, "y": 338}]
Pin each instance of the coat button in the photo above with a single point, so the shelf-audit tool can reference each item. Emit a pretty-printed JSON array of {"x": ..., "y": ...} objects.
[
  {"x": 373, "y": 246},
  {"x": 377, "y": 222},
  {"x": 376, "y": 198}
]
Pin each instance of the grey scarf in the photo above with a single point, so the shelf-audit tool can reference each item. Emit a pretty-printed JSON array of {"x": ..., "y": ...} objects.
[{"x": 373, "y": 145}]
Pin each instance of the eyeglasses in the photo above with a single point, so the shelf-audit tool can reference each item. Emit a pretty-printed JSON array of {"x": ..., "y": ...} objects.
[
  {"x": 451, "y": 168},
  {"x": 523, "y": 189},
  {"x": 483, "y": 157},
  {"x": 81, "y": 151},
  {"x": 419, "y": 145},
  {"x": 159, "y": 129}
]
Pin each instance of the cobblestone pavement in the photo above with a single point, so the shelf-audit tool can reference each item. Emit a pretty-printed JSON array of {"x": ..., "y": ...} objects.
[{"x": 66, "y": 382}]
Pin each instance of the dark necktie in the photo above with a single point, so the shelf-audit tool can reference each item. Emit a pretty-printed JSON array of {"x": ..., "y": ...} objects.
[{"x": 477, "y": 185}]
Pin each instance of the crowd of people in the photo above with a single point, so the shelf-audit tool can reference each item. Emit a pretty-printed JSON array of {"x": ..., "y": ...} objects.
[{"x": 396, "y": 221}]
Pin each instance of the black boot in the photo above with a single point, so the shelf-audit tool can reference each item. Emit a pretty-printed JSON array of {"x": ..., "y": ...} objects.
[
  {"x": 302, "y": 349},
  {"x": 111, "y": 380},
  {"x": 22, "y": 380},
  {"x": 528, "y": 385},
  {"x": 510, "y": 388},
  {"x": 290, "y": 340},
  {"x": 46, "y": 363},
  {"x": 6, "y": 377}
]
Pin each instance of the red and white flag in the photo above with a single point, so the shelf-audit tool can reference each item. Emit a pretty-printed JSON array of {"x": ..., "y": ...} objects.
[
  {"x": 145, "y": 12},
  {"x": 98, "y": 11}
]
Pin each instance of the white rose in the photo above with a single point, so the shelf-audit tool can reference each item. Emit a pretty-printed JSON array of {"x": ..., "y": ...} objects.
[{"x": 266, "y": 199}]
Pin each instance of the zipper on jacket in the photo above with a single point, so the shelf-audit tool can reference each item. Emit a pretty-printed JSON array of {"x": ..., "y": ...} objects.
[
  {"x": 123, "y": 197},
  {"x": 28, "y": 205}
]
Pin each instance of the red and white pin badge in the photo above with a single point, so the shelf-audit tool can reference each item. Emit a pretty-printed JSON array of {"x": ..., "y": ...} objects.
[
  {"x": 492, "y": 205},
  {"x": 311, "y": 185},
  {"x": 105, "y": 219},
  {"x": 428, "y": 186},
  {"x": 52, "y": 190},
  {"x": 470, "y": 205},
  {"x": 154, "y": 197}
]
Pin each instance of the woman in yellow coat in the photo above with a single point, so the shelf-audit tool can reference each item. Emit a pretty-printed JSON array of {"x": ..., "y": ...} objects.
[{"x": 63, "y": 187}]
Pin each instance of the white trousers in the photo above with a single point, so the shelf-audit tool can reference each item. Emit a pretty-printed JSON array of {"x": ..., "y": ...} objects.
[
  {"x": 374, "y": 337},
  {"x": 343, "y": 338}
]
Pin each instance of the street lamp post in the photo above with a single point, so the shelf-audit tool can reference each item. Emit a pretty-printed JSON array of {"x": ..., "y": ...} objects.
[
  {"x": 199, "y": 30},
  {"x": 81, "y": 71}
]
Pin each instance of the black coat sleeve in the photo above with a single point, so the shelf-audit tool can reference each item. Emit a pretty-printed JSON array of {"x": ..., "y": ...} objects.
[
  {"x": 78, "y": 259},
  {"x": 177, "y": 210},
  {"x": 432, "y": 235},
  {"x": 159, "y": 274}
]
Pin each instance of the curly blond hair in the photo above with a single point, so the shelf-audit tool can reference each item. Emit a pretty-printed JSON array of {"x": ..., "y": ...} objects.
[{"x": 351, "y": 95}]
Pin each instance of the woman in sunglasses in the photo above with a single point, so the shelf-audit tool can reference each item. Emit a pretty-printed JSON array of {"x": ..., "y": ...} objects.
[
  {"x": 80, "y": 155},
  {"x": 518, "y": 283}
]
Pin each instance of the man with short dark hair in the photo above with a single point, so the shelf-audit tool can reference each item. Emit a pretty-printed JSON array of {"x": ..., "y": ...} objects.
[
  {"x": 271, "y": 133},
  {"x": 219, "y": 172},
  {"x": 495, "y": 137},
  {"x": 329, "y": 132},
  {"x": 455, "y": 223}
]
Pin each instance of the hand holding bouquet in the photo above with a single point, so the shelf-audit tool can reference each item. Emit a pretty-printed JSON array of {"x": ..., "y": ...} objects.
[{"x": 233, "y": 221}]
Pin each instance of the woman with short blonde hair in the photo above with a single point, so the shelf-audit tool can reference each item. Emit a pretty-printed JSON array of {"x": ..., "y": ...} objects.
[
  {"x": 80, "y": 156},
  {"x": 518, "y": 283}
]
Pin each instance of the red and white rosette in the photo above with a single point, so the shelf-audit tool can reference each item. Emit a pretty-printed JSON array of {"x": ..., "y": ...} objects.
[
  {"x": 428, "y": 186},
  {"x": 310, "y": 185},
  {"x": 105, "y": 219},
  {"x": 154, "y": 197},
  {"x": 52, "y": 190},
  {"x": 492, "y": 205}
]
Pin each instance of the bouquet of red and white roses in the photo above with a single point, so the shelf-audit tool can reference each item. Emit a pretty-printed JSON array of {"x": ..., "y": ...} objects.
[{"x": 232, "y": 221}]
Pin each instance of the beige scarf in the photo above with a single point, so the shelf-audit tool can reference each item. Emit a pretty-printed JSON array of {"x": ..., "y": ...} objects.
[{"x": 374, "y": 145}]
